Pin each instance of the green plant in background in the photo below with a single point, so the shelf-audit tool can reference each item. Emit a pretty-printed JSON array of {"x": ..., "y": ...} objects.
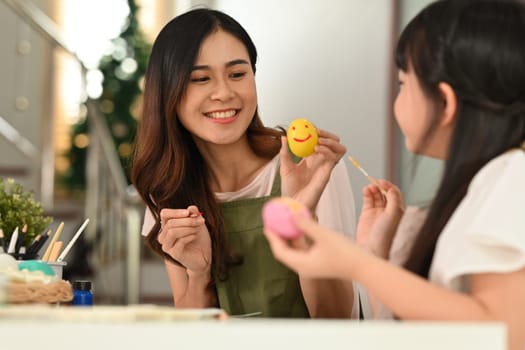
[
  {"x": 123, "y": 69},
  {"x": 17, "y": 207}
]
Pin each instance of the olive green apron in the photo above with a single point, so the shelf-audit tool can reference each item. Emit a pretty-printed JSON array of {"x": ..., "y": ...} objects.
[{"x": 261, "y": 283}]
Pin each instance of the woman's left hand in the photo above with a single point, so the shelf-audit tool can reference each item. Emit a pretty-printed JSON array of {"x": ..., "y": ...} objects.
[{"x": 306, "y": 180}]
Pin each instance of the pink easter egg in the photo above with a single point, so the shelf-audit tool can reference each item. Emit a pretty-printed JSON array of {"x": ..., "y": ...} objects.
[{"x": 277, "y": 215}]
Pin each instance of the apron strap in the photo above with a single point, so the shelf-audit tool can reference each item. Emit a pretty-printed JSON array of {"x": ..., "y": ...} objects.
[{"x": 276, "y": 187}]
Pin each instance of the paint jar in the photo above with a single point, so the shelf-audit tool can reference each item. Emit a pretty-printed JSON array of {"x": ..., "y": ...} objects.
[
  {"x": 82, "y": 295},
  {"x": 58, "y": 267}
]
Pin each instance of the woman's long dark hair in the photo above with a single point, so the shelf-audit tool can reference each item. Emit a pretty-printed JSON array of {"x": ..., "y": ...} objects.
[
  {"x": 478, "y": 48},
  {"x": 168, "y": 170}
]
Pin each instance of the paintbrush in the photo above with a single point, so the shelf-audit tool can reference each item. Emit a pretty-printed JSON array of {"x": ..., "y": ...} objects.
[
  {"x": 11, "y": 249},
  {"x": 72, "y": 241},
  {"x": 369, "y": 177},
  {"x": 31, "y": 250},
  {"x": 55, "y": 251},
  {"x": 20, "y": 241},
  {"x": 53, "y": 240},
  {"x": 38, "y": 245}
]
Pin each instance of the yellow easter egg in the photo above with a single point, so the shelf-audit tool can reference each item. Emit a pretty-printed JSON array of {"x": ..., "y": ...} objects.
[{"x": 302, "y": 137}]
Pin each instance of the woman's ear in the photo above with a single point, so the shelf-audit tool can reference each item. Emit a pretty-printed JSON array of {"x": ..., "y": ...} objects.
[{"x": 450, "y": 104}]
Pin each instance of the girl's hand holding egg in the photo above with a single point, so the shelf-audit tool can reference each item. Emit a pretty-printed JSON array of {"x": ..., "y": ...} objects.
[{"x": 278, "y": 213}]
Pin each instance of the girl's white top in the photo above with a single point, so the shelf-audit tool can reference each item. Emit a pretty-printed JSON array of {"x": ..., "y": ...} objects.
[{"x": 486, "y": 233}]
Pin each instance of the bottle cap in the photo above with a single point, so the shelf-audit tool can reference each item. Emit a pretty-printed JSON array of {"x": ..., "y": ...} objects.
[{"x": 81, "y": 285}]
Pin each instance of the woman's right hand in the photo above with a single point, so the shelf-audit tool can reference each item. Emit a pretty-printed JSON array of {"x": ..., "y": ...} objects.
[
  {"x": 379, "y": 218},
  {"x": 185, "y": 237},
  {"x": 306, "y": 180}
]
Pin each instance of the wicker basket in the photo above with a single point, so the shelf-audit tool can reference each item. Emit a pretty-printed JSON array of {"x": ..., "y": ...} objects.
[{"x": 37, "y": 292}]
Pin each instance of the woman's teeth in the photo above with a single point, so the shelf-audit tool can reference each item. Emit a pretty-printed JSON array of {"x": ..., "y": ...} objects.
[{"x": 222, "y": 115}]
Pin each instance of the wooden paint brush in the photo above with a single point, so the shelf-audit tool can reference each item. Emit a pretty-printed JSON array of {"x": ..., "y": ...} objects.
[
  {"x": 53, "y": 240},
  {"x": 369, "y": 177}
]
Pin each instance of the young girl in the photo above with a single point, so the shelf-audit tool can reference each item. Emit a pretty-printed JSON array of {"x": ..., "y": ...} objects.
[
  {"x": 462, "y": 99},
  {"x": 205, "y": 165}
]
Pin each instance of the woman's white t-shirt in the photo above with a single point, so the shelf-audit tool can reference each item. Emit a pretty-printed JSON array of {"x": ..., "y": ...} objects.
[{"x": 486, "y": 233}]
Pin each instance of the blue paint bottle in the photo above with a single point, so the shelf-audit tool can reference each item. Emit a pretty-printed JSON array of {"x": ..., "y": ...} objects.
[{"x": 82, "y": 295}]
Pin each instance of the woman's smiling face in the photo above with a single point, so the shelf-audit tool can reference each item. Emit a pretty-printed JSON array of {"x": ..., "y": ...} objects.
[{"x": 221, "y": 99}]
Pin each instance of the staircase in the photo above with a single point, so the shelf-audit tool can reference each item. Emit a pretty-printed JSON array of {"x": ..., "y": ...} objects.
[{"x": 27, "y": 155}]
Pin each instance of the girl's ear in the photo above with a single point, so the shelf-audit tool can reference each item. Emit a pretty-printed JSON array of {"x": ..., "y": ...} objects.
[{"x": 450, "y": 104}]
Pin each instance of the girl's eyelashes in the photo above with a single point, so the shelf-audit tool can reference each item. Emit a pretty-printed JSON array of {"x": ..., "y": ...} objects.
[{"x": 237, "y": 75}]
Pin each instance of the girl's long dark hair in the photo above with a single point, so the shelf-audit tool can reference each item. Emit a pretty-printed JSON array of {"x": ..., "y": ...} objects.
[
  {"x": 478, "y": 48},
  {"x": 168, "y": 170}
]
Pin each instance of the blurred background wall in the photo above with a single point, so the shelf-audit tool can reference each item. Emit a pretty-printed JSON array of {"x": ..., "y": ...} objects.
[{"x": 329, "y": 61}]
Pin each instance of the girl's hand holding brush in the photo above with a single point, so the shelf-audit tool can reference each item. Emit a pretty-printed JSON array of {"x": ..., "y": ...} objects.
[{"x": 380, "y": 217}]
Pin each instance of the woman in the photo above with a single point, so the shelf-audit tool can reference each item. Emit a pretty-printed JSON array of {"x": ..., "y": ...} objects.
[{"x": 205, "y": 164}]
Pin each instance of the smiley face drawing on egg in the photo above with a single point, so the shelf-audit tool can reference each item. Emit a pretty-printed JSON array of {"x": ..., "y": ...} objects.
[{"x": 302, "y": 137}]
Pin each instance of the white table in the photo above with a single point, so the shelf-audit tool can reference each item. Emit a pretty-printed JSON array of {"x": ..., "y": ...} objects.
[{"x": 252, "y": 334}]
